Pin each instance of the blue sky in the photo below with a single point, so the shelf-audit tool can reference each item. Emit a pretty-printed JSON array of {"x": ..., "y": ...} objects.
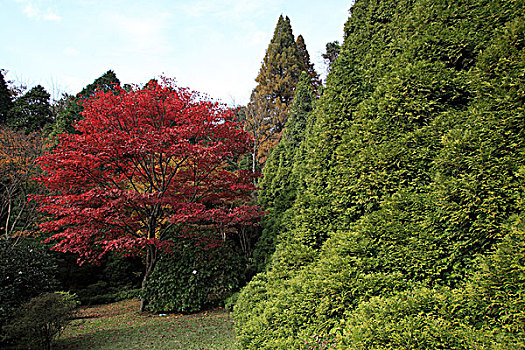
[{"x": 215, "y": 47}]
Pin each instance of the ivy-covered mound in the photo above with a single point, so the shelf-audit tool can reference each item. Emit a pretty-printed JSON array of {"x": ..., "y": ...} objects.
[
  {"x": 198, "y": 274},
  {"x": 407, "y": 227}
]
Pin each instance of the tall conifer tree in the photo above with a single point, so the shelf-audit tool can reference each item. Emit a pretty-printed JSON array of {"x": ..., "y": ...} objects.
[
  {"x": 280, "y": 182},
  {"x": 304, "y": 58},
  {"x": 276, "y": 83}
]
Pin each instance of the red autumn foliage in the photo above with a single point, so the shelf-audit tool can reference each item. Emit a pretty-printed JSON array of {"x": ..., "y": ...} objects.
[{"x": 144, "y": 161}]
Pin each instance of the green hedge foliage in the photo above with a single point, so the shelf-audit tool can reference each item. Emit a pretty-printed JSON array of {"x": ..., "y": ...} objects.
[
  {"x": 487, "y": 312},
  {"x": 414, "y": 186}
]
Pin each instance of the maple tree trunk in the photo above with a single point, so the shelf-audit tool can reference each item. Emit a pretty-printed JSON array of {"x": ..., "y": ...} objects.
[{"x": 151, "y": 260}]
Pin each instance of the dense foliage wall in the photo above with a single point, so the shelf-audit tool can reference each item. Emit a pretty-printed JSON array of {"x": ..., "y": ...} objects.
[
  {"x": 413, "y": 192},
  {"x": 281, "y": 179}
]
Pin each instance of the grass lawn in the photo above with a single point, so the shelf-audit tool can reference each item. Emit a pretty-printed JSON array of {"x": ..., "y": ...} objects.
[{"x": 121, "y": 326}]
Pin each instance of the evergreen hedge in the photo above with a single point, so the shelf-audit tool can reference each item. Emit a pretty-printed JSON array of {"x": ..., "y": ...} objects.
[{"x": 413, "y": 189}]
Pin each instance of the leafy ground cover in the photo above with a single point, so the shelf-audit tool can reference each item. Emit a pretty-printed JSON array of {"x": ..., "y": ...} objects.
[{"x": 121, "y": 326}]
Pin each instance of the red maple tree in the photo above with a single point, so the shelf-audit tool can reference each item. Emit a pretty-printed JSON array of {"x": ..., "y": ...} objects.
[{"x": 143, "y": 163}]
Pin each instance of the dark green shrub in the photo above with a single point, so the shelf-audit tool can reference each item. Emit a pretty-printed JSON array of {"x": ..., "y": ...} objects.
[
  {"x": 40, "y": 321},
  {"x": 104, "y": 283},
  {"x": 26, "y": 270},
  {"x": 195, "y": 277}
]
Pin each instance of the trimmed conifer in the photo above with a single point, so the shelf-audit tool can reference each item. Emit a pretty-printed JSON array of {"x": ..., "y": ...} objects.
[
  {"x": 280, "y": 182},
  {"x": 414, "y": 168}
]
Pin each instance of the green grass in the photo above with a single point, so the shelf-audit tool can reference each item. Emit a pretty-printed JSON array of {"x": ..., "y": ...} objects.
[{"x": 121, "y": 326}]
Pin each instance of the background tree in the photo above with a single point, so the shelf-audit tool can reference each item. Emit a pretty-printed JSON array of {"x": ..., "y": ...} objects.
[
  {"x": 61, "y": 104},
  {"x": 6, "y": 102},
  {"x": 332, "y": 51},
  {"x": 307, "y": 66},
  {"x": 32, "y": 111},
  {"x": 72, "y": 113},
  {"x": 18, "y": 152},
  {"x": 268, "y": 107},
  {"x": 142, "y": 164}
]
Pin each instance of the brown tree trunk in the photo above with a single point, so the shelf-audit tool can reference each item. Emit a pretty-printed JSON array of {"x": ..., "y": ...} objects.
[{"x": 151, "y": 260}]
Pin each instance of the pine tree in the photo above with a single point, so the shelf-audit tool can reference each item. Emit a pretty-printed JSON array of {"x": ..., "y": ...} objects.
[
  {"x": 270, "y": 100},
  {"x": 332, "y": 51},
  {"x": 71, "y": 114},
  {"x": 106, "y": 82},
  {"x": 5, "y": 98},
  {"x": 32, "y": 111},
  {"x": 307, "y": 65}
]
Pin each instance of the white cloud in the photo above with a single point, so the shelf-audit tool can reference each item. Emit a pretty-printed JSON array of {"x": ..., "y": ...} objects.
[
  {"x": 39, "y": 10},
  {"x": 144, "y": 32},
  {"x": 70, "y": 51},
  {"x": 51, "y": 16},
  {"x": 30, "y": 10},
  {"x": 228, "y": 9}
]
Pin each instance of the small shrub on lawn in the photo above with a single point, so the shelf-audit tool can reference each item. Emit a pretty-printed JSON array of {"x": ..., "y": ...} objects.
[{"x": 40, "y": 321}]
